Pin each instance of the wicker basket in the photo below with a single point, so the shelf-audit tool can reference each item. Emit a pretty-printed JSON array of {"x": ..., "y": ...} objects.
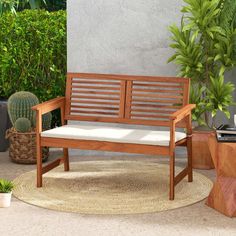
[{"x": 23, "y": 147}]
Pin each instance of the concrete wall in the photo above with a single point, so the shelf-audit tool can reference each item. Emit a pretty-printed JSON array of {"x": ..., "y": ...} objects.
[{"x": 122, "y": 36}]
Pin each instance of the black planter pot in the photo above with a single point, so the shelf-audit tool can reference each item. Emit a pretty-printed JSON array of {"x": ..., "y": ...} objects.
[{"x": 5, "y": 124}]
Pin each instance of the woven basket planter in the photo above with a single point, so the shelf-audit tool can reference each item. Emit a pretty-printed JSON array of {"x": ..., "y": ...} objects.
[{"x": 23, "y": 147}]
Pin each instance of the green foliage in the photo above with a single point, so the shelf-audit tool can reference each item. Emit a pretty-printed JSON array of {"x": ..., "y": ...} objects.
[
  {"x": 8, "y": 6},
  {"x": 22, "y": 125},
  {"x": 33, "y": 53},
  {"x": 32, "y": 4},
  {"x": 19, "y": 105},
  {"x": 219, "y": 96},
  {"x": 47, "y": 120},
  {"x": 227, "y": 20},
  {"x": 227, "y": 17},
  {"x": 188, "y": 53},
  {"x": 18, "y": 5},
  {"x": 55, "y": 5},
  {"x": 196, "y": 98},
  {"x": 6, "y": 186},
  {"x": 14, "y": 5},
  {"x": 204, "y": 51}
]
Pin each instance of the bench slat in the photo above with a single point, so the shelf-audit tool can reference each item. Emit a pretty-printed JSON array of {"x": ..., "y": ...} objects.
[
  {"x": 150, "y": 90},
  {"x": 95, "y": 82},
  {"x": 81, "y": 92},
  {"x": 94, "y": 102},
  {"x": 157, "y": 95},
  {"x": 95, "y": 112},
  {"x": 95, "y": 97},
  {"x": 96, "y": 87},
  {"x": 95, "y": 107},
  {"x": 153, "y": 111}
]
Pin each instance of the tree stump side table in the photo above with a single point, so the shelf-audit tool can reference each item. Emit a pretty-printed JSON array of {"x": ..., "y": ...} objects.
[{"x": 223, "y": 194}]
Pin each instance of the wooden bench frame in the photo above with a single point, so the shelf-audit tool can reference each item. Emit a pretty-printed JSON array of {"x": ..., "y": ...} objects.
[{"x": 179, "y": 118}]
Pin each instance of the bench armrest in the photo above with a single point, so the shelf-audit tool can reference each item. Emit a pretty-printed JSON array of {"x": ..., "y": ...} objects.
[
  {"x": 50, "y": 105},
  {"x": 182, "y": 113},
  {"x": 177, "y": 116},
  {"x": 46, "y": 107}
]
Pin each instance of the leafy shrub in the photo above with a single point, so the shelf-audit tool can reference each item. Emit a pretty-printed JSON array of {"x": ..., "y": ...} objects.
[
  {"x": 204, "y": 51},
  {"x": 55, "y": 5},
  {"x": 33, "y": 53}
]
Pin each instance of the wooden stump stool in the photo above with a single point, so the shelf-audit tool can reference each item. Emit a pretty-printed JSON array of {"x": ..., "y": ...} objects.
[{"x": 223, "y": 194}]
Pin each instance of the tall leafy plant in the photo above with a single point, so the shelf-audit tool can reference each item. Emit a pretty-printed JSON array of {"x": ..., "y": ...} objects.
[
  {"x": 8, "y": 6},
  {"x": 14, "y": 5},
  {"x": 204, "y": 51}
]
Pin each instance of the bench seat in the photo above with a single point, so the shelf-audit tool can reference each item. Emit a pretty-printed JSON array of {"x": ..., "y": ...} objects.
[{"x": 113, "y": 134}]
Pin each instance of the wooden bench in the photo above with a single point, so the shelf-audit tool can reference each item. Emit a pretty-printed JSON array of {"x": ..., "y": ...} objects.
[{"x": 138, "y": 100}]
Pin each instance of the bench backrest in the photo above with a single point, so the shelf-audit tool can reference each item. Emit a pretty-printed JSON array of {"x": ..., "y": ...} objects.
[{"x": 145, "y": 100}]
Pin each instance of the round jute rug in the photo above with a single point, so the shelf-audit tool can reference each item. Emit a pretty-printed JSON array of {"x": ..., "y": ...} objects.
[{"x": 110, "y": 187}]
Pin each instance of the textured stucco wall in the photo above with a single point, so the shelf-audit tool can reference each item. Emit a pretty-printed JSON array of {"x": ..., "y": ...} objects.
[{"x": 122, "y": 36}]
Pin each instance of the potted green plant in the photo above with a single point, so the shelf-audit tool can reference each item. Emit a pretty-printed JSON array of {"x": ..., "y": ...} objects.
[
  {"x": 205, "y": 48},
  {"x": 6, "y": 188},
  {"x": 22, "y": 135}
]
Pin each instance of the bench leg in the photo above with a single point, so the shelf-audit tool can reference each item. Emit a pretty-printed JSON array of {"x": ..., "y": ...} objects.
[
  {"x": 189, "y": 153},
  {"x": 39, "y": 166},
  {"x": 66, "y": 159},
  {"x": 172, "y": 177}
]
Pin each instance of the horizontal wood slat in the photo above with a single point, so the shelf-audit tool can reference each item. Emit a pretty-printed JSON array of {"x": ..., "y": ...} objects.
[
  {"x": 137, "y": 104},
  {"x": 151, "y": 111},
  {"x": 95, "y": 82},
  {"x": 163, "y": 116},
  {"x": 94, "y": 92},
  {"x": 166, "y": 86},
  {"x": 158, "y": 101},
  {"x": 150, "y": 90},
  {"x": 94, "y": 112},
  {"x": 157, "y": 95},
  {"x": 111, "y": 103},
  {"x": 94, "y": 97},
  {"x": 96, "y": 87},
  {"x": 95, "y": 107},
  {"x": 112, "y": 77}
]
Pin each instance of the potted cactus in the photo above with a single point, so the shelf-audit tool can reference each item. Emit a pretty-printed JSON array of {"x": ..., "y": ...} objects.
[
  {"x": 5, "y": 192},
  {"x": 22, "y": 135}
]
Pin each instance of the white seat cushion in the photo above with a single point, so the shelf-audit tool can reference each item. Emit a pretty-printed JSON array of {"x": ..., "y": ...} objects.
[{"x": 112, "y": 134}]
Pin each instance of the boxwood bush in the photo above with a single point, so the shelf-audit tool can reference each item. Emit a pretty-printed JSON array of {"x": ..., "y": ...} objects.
[{"x": 33, "y": 53}]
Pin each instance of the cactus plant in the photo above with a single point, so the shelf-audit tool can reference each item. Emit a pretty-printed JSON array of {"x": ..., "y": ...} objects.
[
  {"x": 22, "y": 125},
  {"x": 19, "y": 105},
  {"x": 46, "y": 120}
]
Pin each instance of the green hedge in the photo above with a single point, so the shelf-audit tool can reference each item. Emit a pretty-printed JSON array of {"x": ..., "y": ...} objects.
[
  {"x": 33, "y": 53},
  {"x": 55, "y": 5}
]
